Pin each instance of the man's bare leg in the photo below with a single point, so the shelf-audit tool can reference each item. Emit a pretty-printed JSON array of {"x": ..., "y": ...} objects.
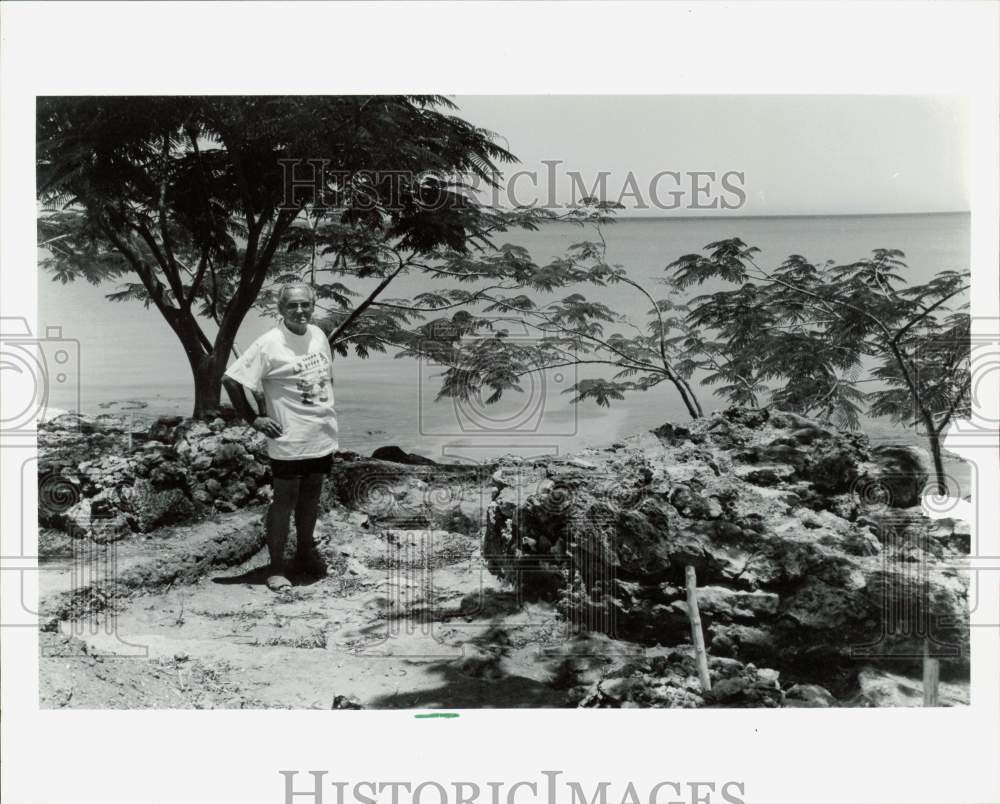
[
  {"x": 279, "y": 514},
  {"x": 306, "y": 512}
]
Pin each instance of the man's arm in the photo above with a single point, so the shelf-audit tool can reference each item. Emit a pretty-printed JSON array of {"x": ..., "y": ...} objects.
[
  {"x": 238, "y": 395},
  {"x": 258, "y": 420},
  {"x": 261, "y": 404}
]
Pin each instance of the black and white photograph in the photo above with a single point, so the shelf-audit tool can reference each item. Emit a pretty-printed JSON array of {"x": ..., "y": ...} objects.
[
  {"x": 431, "y": 404},
  {"x": 356, "y": 408}
]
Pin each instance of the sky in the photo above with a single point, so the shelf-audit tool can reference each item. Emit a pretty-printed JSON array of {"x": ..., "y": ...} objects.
[{"x": 807, "y": 154}]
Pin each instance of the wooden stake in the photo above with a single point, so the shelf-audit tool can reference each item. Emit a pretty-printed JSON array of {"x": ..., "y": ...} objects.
[
  {"x": 697, "y": 638},
  {"x": 932, "y": 672}
]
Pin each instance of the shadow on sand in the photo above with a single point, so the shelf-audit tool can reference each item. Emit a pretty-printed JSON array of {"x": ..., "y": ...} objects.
[
  {"x": 460, "y": 691},
  {"x": 258, "y": 577},
  {"x": 480, "y": 679}
]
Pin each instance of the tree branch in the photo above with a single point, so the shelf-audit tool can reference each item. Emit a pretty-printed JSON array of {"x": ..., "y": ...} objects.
[
  {"x": 574, "y": 362},
  {"x": 169, "y": 268},
  {"x": 471, "y": 299},
  {"x": 357, "y": 311},
  {"x": 162, "y": 211},
  {"x": 955, "y": 403},
  {"x": 153, "y": 287},
  {"x": 893, "y": 346},
  {"x": 557, "y": 327},
  {"x": 198, "y": 277},
  {"x": 926, "y": 312},
  {"x": 382, "y": 339}
]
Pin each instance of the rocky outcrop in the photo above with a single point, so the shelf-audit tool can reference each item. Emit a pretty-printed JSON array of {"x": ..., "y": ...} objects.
[
  {"x": 880, "y": 688},
  {"x": 671, "y": 681},
  {"x": 399, "y": 455},
  {"x": 809, "y": 696},
  {"x": 92, "y": 486},
  {"x": 452, "y": 497},
  {"x": 818, "y": 580},
  {"x": 903, "y": 472},
  {"x": 800, "y": 566}
]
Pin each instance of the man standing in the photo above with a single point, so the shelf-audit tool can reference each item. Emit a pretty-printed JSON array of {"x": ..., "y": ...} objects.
[{"x": 289, "y": 370}]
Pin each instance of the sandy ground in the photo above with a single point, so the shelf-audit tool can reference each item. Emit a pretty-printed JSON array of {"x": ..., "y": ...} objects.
[{"x": 405, "y": 619}]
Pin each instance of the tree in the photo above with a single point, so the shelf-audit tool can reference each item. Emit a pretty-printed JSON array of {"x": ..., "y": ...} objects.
[
  {"x": 194, "y": 203},
  {"x": 481, "y": 360},
  {"x": 809, "y": 335},
  {"x": 802, "y": 337}
]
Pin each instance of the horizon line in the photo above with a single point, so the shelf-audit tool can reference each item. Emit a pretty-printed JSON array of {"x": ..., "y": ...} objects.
[{"x": 787, "y": 215}]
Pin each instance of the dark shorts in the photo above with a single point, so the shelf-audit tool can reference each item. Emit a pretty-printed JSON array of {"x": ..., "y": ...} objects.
[{"x": 307, "y": 466}]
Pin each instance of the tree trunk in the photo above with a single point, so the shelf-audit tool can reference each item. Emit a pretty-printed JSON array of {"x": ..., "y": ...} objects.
[
  {"x": 941, "y": 481},
  {"x": 207, "y": 359},
  {"x": 699, "y": 412},
  {"x": 208, "y": 387},
  {"x": 687, "y": 396}
]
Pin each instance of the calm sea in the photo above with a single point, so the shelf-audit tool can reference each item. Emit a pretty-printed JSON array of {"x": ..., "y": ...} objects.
[{"x": 127, "y": 352}]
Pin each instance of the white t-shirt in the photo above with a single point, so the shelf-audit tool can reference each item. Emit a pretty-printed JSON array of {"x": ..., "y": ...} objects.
[{"x": 295, "y": 375}]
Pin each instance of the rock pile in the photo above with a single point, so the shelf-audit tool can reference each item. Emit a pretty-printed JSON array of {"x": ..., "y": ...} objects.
[
  {"x": 90, "y": 486},
  {"x": 671, "y": 681},
  {"x": 804, "y": 562},
  {"x": 401, "y": 494},
  {"x": 599, "y": 672}
]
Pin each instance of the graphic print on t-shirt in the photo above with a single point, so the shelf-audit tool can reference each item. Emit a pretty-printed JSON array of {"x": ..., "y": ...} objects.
[
  {"x": 311, "y": 374},
  {"x": 295, "y": 375}
]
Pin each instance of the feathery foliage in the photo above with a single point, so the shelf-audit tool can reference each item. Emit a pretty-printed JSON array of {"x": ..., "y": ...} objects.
[
  {"x": 194, "y": 204},
  {"x": 806, "y": 336}
]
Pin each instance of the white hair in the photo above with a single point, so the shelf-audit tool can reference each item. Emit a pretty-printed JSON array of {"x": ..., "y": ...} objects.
[{"x": 290, "y": 286}]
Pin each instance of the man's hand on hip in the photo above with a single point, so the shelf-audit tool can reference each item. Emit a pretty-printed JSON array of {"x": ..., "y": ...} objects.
[{"x": 267, "y": 426}]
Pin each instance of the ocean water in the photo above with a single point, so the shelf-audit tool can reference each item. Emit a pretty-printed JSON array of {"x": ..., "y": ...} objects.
[{"x": 125, "y": 352}]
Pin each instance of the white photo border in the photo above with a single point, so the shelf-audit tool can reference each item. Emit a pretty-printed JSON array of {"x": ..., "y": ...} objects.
[{"x": 785, "y": 755}]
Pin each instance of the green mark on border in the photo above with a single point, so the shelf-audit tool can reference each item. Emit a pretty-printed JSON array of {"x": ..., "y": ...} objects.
[{"x": 438, "y": 714}]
